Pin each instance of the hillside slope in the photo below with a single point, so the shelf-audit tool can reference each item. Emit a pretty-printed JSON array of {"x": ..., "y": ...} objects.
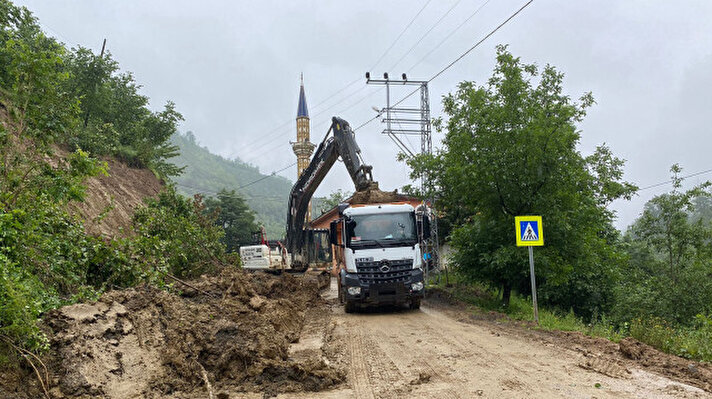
[
  {"x": 111, "y": 200},
  {"x": 208, "y": 173}
]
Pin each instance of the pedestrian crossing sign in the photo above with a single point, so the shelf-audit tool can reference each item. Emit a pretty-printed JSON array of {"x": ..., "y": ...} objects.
[{"x": 530, "y": 232}]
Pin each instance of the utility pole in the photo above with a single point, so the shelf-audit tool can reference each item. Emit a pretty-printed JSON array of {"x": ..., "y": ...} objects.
[
  {"x": 412, "y": 120},
  {"x": 101, "y": 56}
]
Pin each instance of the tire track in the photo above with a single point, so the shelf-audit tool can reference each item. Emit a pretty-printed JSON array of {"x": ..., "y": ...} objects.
[{"x": 359, "y": 375}]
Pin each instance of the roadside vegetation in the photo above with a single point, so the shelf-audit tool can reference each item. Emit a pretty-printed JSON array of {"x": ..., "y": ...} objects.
[
  {"x": 510, "y": 149},
  {"x": 56, "y": 101}
]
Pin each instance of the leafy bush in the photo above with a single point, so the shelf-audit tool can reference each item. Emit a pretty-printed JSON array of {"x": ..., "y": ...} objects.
[
  {"x": 45, "y": 254},
  {"x": 21, "y": 303},
  {"x": 693, "y": 342},
  {"x": 668, "y": 275},
  {"x": 177, "y": 236},
  {"x": 77, "y": 98}
]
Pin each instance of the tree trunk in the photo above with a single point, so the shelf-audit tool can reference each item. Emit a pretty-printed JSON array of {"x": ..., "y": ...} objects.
[{"x": 506, "y": 294}]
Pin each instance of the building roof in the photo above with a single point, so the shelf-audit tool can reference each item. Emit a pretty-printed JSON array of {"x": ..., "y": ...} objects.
[{"x": 302, "y": 110}]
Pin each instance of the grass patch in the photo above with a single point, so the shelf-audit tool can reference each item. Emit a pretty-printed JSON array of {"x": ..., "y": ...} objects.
[
  {"x": 520, "y": 308},
  {"x": 691, "y": 342}
]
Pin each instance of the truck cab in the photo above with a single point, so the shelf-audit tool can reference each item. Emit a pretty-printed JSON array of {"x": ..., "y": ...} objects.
[{"x": 379, "y": 251}]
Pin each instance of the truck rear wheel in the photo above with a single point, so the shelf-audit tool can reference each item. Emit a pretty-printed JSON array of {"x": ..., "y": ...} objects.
[
  {"x": 349, "y": 307},
  {"x": 415, "y": 304}
]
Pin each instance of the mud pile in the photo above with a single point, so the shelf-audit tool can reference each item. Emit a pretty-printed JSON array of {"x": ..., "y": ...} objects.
[
  {"x": 376, "y": 196},
  {"x": 226, "y": 333}
]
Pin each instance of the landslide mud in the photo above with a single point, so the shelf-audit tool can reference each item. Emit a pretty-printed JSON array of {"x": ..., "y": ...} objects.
[
  {"x": 376, "y": 196},
  {"x": 230, "y": 332}
]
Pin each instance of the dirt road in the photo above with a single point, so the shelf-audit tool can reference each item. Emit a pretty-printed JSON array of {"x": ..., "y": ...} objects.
[
  {"x": 253, "y": 336},
  {"x": 431, "y": 354}
]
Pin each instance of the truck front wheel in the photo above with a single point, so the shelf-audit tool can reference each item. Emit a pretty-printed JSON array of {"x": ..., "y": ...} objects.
[
  {"x": 415, "y": 304},
  {"x": 349, "y": 307}
]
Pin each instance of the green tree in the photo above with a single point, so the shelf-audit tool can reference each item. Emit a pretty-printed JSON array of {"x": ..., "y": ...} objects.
[
  {"x": 510, "y": 149},
  {"x": 334, "y": 199},
  {"x": 115, "y": 116},
  {"x": 669, "y": 272},
  {"x": 234, "y": 216}
]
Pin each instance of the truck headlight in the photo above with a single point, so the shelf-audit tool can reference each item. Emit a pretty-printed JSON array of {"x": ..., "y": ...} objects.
[
  {"x": 417, "y": 286},
  {"x": 354, "y": 290}
]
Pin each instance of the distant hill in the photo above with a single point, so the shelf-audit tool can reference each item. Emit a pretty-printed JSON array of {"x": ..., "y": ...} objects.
[{"x": 208, "y": 173}]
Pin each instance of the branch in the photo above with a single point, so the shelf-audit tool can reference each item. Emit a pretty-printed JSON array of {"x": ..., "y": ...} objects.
[
  {"x": 24, "y": 353},
  {"x": 176, "y": 279}
]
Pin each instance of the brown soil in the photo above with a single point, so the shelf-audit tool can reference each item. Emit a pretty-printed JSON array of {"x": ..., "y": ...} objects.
[
  {"x": 255, "y": 336},
  {"x": 230, "y": 332},
  {"x": 376, "y": 196},
  {"x": 599, "y": 354},
  {"x": 442, "y": 352},
  {"x": 111, "y": 200}
]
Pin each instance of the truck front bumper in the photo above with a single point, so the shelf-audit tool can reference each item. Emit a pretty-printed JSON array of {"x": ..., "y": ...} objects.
[{"x": 367, "y": 292}]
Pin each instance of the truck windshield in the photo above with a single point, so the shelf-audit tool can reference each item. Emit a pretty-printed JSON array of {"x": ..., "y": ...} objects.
[{"x": 382, "y": 228}]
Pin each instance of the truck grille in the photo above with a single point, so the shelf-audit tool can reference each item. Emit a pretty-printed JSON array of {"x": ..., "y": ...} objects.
[{"x": 398, "y": 271}]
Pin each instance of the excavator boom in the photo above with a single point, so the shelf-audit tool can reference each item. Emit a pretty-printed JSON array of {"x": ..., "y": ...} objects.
[{"x": 342, "y": 144}]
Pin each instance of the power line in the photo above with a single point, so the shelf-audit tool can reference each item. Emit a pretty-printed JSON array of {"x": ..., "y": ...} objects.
[
  {"x": 257, "y": 153},
  {"x": 456, "y": 60},
  {"x": 327, "y": 121},
  {"x": 229, "y": 193},
  {"x": 400, "y": 35},
  {"x": 274, "y": 173},
  {"x": 341, "y": 101},
  {"x": 394, "y": 105},
  {"x": 425, "y": 34},
  {"x": 266, "y": 177},
  {"x": 481, "y": 40},
  {"x": 283, "y": 131},
  {"x": 449, "y": 35},
  {"x": 670, "y": 181},
  {"x": 279, "y": 129},
  {"x": 337, "y": 92}
]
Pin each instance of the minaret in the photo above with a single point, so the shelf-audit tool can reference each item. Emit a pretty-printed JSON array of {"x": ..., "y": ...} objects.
[{"x": 303, "y": 148}]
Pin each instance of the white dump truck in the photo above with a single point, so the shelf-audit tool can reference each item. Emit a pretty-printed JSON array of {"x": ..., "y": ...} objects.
[{"x": 379, "y": 251}]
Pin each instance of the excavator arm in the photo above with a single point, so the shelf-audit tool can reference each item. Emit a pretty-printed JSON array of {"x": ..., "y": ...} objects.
[{"x": 342, "y": 144}]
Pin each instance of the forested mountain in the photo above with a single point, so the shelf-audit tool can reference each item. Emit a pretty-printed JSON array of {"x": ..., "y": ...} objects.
[{"x": 208, "y": 173}]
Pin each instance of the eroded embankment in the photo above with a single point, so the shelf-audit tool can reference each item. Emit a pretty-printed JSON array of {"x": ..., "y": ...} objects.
[{"x": 230, "y": 332}]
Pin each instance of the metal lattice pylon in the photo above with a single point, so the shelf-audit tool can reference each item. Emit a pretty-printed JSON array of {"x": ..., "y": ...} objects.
[{"x": 413, "y": 120}]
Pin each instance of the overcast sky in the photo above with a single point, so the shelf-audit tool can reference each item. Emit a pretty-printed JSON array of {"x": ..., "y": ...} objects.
[{"x": 232, "y": 68}]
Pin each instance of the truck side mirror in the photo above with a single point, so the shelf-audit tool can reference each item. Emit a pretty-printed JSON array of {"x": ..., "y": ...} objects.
[
  {"x": 350, "y": 227},
  {"x": 333, "y": 233}
]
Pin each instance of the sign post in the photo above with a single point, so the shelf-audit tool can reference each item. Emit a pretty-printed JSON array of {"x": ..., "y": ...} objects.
[{"x": 530, "y": 233}]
